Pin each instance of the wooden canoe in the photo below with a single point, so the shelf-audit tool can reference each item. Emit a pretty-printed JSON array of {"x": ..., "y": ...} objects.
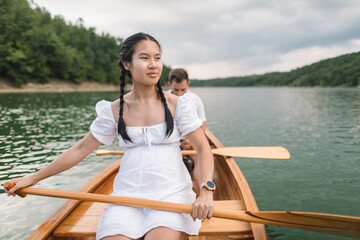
[{"x": 78, "y": 220}]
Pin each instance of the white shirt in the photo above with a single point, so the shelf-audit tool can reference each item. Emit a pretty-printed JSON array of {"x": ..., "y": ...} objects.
[{"x": 199, "y": 106}]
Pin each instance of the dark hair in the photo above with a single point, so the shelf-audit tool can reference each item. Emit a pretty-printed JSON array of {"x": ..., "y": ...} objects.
[
  {"x": 127, "y": 50},
  {"x": 178, "y": 75}
]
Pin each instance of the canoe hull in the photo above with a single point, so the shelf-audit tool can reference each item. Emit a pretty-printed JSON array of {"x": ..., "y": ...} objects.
[{"x": 78, "y": 220}]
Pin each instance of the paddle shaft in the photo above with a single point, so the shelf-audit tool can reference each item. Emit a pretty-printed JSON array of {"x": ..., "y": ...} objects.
[
  {"x": 244, "y": 152},
  {"x": 121, "y": 152},
  {"x": 334, "y": 224}
]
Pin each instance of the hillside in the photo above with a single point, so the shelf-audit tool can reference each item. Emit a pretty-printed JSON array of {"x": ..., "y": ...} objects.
[
  {"x": 341, "y": 71},
  {"x": 37, "y": 46}
]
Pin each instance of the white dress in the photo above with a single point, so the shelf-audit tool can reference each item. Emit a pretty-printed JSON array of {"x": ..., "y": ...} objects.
[
  {"x": 199, "y": 106},
  {"x": 151, "y": 168}
]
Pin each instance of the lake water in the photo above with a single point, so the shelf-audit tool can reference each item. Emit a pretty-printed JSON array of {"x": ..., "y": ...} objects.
[{"x": 319, "y": 126}]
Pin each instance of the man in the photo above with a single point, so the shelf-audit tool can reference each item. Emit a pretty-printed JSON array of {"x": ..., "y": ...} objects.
[{"x": 179, "y": 84}]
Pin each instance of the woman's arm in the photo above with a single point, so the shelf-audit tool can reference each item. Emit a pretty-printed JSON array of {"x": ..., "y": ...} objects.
[
  {"x": 66, "y": 160},
  {"x": 203, "y": 207}
]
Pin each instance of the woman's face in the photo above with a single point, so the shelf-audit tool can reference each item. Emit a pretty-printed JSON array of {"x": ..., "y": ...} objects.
[{"x": 146, "y": 65}]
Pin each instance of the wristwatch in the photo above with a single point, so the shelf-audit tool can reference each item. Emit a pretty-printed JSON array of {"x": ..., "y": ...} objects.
[{"x": 208, "y": 185}]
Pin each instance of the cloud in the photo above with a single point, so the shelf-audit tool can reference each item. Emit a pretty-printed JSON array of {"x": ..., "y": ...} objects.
[
  {"x": 300, "y": 57},
  {"x": 269, "y": 63},
  {"x": 243, "y": 37}
]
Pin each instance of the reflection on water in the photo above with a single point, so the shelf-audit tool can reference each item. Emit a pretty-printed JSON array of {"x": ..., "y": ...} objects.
[
  {"x": 35, "y": 128},
  {"x": 320, "y": 127}
]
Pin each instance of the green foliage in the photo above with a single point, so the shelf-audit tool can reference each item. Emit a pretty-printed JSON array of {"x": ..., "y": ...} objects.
[
  {"x": 17, "y": 69},
  {"x": 341, "y": 71},
  {"x": 35, "y": 45},
  {"x": 165, "y": 74}
]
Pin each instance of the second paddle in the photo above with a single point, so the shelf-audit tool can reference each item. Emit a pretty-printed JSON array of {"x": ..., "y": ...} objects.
[{"x": 243, "y": 152}]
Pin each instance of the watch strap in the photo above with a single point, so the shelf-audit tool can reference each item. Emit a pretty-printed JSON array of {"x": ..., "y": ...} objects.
[{"x": 208, "y": 185}]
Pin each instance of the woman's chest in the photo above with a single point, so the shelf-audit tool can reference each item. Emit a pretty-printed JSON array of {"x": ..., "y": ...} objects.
[{"x": 144, "y": 115}]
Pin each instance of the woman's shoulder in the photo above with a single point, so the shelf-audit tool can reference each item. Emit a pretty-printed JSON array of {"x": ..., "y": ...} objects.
[
  {"x": 115, "y": 105},
  {"x": 171, "y": 98},
  {"x": 115, "y": 108},
  {"x": 108, "y": 109}
]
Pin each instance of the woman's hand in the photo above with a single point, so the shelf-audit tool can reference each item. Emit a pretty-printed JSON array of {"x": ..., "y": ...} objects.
[
  {"x": 185, "y": 144},
  {"x": 203, "y": 207},
  {"x": 19, "y": 184}
]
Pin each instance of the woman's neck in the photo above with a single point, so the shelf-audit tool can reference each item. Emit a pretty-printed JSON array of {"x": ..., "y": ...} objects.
[{"x": 144, "y": 93}]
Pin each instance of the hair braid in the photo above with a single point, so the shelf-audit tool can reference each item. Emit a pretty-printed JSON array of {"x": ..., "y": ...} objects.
[
  {"x": 168, "y": 117},
  {"x": 121, "y": 122}
]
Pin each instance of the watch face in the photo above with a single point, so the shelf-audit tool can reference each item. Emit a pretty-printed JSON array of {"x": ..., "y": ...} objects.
[{"x": 210, "y": 184}]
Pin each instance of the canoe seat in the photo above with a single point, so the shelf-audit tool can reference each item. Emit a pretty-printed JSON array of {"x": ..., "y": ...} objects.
[{"x": 82, "y": 222}]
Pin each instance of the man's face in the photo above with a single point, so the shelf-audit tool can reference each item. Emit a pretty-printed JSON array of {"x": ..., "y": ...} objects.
[{"x": 179, "y": 89}]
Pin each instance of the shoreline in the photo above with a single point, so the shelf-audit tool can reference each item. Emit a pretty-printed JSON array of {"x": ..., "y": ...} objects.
[
  {"x": 62, "y": 86},
  {"x": 56, "y": 85}
]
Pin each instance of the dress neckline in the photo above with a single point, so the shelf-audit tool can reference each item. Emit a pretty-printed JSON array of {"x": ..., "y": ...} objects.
[{"x": 155, "y": 125}]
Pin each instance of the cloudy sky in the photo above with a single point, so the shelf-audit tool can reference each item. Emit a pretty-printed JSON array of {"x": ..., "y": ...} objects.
[{"x": 212, "y": 38}]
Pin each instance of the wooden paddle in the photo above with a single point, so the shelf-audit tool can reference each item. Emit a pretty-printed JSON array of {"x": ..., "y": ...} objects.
[
  {"x": 244, "y": 152},
  {"x": 320, "y": 222}
]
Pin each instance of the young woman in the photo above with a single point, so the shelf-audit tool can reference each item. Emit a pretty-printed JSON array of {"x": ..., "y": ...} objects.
[{"x": 149, "y": 124}]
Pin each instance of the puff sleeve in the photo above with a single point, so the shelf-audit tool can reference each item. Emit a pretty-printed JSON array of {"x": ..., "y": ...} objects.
[
  {"x": 186, "y": 117},
  {"x": 103, "y": 128}
]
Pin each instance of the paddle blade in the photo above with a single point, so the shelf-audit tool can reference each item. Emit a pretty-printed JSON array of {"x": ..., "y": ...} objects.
[
  {"x": 253, "y": 152},
  {"x": 319, "y": 222}
]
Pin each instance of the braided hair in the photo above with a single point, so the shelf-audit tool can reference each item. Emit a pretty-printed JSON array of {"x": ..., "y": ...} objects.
[
  {"x": 126, "y": 52},
  {"x": 168, "y": 117}
]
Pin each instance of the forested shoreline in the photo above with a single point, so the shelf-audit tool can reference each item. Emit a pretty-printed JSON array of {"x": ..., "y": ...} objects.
[
  {"x": 34, "y": 45},
  {"x": 37, "y": 46},
  {"x": 341, "y": 71}
]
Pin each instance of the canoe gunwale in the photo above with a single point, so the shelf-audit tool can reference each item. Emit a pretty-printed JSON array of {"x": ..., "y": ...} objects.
[
  {"x": 45, "y": 230},
  {"x": 259, "y": 232}
]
